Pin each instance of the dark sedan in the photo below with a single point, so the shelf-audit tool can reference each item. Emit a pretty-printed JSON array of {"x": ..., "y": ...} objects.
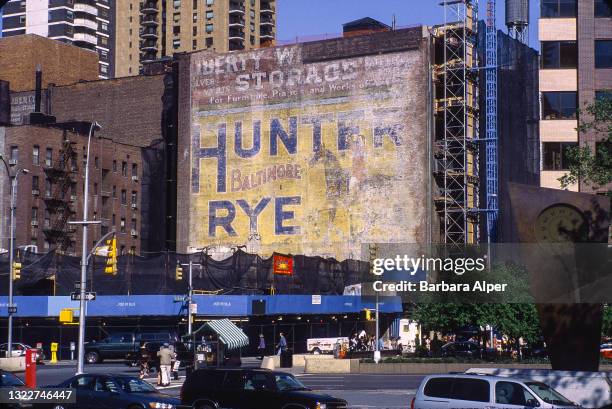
[
  {"x": 251, "y": 389},
  {"x": 101, "y": 391},
  {"x": 10, "y": 381},
  {"x": 462, "y": 349}
]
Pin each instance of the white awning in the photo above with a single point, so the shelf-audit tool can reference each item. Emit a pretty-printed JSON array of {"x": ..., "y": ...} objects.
[{"x": 229, "y": 333}]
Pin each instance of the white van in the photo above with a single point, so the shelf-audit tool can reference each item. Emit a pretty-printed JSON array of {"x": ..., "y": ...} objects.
[
  {"x": 324, "y": 345},
  {"x": 459, "y": 391}
]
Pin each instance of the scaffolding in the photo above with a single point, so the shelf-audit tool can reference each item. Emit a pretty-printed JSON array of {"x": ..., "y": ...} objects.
[
  {"x": 491, "y": 141},
  {"x": 60, "y": 198},
  {"x": 456, "y": 109}
]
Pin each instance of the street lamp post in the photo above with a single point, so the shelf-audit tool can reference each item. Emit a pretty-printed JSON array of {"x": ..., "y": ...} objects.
[
  {"x": 85, "y": 223},
  {"x": 11, "y": 307}
]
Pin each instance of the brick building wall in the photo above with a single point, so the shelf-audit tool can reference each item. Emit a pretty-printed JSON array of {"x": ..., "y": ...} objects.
[
  {"x": 130, "y": 110},
  {"x": 115, "y": 188},
  {"x": 61, "y": 63},
  {"x": 369, "y": 91}
]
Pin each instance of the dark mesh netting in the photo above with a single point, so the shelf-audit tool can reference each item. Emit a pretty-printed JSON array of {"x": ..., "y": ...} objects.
[{"x": 242, "y": 273}]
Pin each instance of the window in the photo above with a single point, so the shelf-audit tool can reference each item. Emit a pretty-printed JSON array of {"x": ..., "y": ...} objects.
[
  {"x": 176, "y": 17},
  {"x": 122, "y": 251},
  {"x": 234, "y": 380},
  {"x": 124, "y": 168},
  {"x": 104, "y": 26},
  {"x": 195, "y": 4},
  {"x": 252, "y": 40},
  {"x": 195, "y": 18},
  {"x": 559, "y": 54},
  {"x": 95, "y": 188},
  {"x": 15, "y": 153},
  {"x": 114, "y": 191},
  {"x": 22, "y": 19},
  {"x": 48, "y": 188},
  {"x": 476, "y": 390},
  {"x": 210, "y": 15},
  {"x": 47, "y": 221},
  {"x": 603, "y": 8},
  {"x": 209, "y": 28},
  {"x": 209, "y": 42},
  {"x": 114, "y": 166},
  {"x": 133, "y": 224},
  {"x": 35, "y": 155},
  {"x": 104, "y": 69},
  {"x": 511, "y": 393},
  {"x": 35, "y": 183},
  {"x": 555, "y": 155},
  {"x": 438, "y": 388},
  {"x": 123, "y": 197},
  {"x": 134, "y": 197},
  {"x": 252, "y": 13},
  {"x": 177, "y": 4},
  {"x": 35, "y": 213},
  {"x": 134, "y": 169},
  {"x": 114, "y": 219},
  {"x": 122, "y": 225},
  {"x": 603, "y": 53},
  {"x": 194, "y": 44},
  {"x": 559, "y": 8},
  {"x": 176, "y": 30},
  {"x": 176, "y": 44},
  {"x": 96, "y": 162},
  {"x": 210, "y": 2},
  {"x": 252, "y": 26},
  {"x": 559, "y": 105},
  {"x": 49, "y": 157}
]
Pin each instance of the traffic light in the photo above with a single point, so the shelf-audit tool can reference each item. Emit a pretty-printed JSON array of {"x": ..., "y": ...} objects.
[
  {"x": 111, "y": 257},
  {"x": 16, "y": 270},
  {"x": 367, "y": 315},
  {"x": 178, "y": 273}
]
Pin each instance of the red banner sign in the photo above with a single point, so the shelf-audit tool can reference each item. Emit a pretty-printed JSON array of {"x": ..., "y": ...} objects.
[{"x": 283, "y": 265}]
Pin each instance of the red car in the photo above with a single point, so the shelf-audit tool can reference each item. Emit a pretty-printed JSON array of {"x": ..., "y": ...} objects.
[{"x": 606, "y": 351}]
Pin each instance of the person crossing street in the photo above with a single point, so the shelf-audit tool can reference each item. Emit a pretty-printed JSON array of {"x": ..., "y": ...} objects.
[{"x": 166, "y": 356}]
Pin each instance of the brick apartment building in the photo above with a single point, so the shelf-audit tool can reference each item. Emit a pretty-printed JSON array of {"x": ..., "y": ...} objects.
[
  {"x": 127, "y": 165},
  {"x": 51, "y": 193}
]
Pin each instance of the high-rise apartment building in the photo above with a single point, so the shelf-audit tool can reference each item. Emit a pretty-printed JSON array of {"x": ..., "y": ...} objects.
[
  {"x": 147, "y": 30},
  {"x": 84, "y": 23},
  {"x": 575, "y": 68}
]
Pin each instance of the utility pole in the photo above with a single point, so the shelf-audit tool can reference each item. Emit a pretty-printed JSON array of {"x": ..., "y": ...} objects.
[
  {"x": 11, "y": 307},
  {"x": 84, "y": 258}
]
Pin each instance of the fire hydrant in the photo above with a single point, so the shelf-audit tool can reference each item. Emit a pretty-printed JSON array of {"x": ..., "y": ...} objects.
[{"x": 53, "y": 353}]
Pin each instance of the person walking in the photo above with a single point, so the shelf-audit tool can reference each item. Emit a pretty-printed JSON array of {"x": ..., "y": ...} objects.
[
  {"x": 282, "y": 344},
  {"x": 144, "y": 360},
  {"x": 262, "y": 346},
  {"x": 166, "y": 356}
]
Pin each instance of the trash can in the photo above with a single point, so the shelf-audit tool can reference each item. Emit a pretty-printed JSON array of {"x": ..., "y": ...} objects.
[{"x": 286, "y": 359}]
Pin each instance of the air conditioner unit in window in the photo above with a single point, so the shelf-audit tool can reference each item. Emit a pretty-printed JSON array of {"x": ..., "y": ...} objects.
[
  {"x": 134, "y": 205},
  {"x": 73, "y": 198},
  {"x": 134, "y": 232},
  {"x": 12, "y": 162},
  {"x": 35, "y": 192},
  {"x": 135, "y": 178},
  {"x": 34, "y": 223}
]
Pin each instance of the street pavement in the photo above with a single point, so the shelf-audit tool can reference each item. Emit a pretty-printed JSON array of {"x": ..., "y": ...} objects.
[{"x": 362, "y": 391}]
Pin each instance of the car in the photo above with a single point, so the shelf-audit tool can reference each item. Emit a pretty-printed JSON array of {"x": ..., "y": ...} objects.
[
  {"x": 10, "y": 381},
  {"x": 20, "y": 349},
  {"x": 118, "y": 345},
  {"x": 318, "y": 346},
  {"x": 461, "y": 349},
  {"x": 484, "y": 391},
  {"x": 213, "y": 388},
  {"x": 109, "y": 391},
  {"x": 605, "y": 350}
]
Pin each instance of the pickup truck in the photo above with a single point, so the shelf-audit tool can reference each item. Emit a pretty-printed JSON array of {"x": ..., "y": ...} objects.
[
  {"x": 121, "y": 344},
  {"x": 324, "y": 345}
]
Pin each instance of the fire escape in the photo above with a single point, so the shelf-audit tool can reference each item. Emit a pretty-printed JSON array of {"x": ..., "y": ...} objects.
[{"x": 61, "y": 199}]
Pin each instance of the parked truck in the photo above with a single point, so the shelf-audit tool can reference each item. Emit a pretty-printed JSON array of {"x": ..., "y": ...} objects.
[{"x": 324, "y": 345}]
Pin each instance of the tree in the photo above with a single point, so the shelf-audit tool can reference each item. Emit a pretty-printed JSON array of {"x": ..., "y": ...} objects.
[{"x": 593, "y": 168}]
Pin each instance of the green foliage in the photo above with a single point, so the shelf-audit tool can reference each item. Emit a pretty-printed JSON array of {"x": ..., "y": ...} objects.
[
  {"x": 606, "y": 328},
  {"x": 586, "y": 166}
]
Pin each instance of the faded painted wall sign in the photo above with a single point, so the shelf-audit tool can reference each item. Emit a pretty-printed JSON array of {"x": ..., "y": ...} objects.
[{"x": 309, "y": 158}]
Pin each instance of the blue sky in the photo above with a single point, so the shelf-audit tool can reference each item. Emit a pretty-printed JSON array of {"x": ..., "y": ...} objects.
[{"x": 306, "y": 18}]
